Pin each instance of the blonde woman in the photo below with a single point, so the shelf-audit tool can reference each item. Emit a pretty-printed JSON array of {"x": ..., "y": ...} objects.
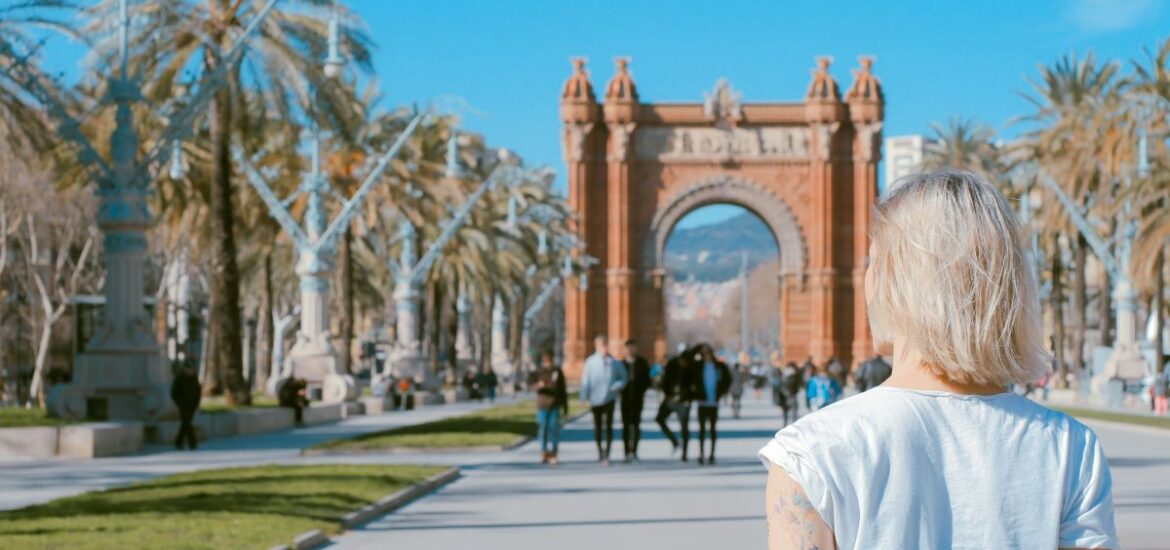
[{"x": 941, "y": 455}]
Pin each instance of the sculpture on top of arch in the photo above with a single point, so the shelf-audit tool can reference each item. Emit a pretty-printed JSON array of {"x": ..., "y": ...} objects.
[{"x": 807, "y": 168}]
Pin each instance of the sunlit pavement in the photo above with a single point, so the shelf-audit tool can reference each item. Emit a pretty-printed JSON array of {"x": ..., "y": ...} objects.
[
  {"x": 25, "y": 481},
  {"x": 517, "y": 503},
  {"x": 509, "y": 501}
]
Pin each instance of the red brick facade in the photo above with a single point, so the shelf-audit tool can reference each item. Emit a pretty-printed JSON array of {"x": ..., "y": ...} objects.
[{"x": 808, "y": 170}]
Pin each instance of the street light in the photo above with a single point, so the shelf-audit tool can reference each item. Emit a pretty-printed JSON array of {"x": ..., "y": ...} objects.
[
  {"x": 334, "y": 62},
  {"x": 121, "y": 372}
]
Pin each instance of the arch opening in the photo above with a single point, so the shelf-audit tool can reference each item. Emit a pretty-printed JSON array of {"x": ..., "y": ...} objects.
[{"x": 721, "y": 259}]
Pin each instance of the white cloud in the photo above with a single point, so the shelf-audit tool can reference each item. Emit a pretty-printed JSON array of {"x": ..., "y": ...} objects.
[{"x": 1110, "y": 15}]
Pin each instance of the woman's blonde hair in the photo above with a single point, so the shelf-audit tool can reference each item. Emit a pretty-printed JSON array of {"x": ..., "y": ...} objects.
[{"x": 951, "y": 279}]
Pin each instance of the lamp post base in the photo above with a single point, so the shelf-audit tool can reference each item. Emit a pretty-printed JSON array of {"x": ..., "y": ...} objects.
[{"x": 115, "y": 385}]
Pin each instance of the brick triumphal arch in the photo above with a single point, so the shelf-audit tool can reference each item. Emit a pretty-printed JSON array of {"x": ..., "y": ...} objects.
[{"x": 807, "y": 169}]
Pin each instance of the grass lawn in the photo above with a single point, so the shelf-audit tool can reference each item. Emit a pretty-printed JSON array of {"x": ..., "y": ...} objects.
[
  {"x": 1139, "y": 419},
  {"x": 216, "y": 404},
  {"x": 19, "y": 417},
  {"x": 492, "y": 427},
  {"x": 256, "y": 507}
]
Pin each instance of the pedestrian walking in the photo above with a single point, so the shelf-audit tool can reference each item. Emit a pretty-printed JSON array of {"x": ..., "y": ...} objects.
[
  {"x": 792, "y": 383},
  {"x": 294, "y": 395},
  {"x": 488, "y": 382},
  {"x": 940, "y": 455},
  {"x": 837, "y": 371},
  {"x": 807, "y": 371},
  {"x": 601, "y": 382},
  {"x": 552, "y": 400},
  {"x": 822, "y": 390},
  {"x": 633, "y": 399},
  {"x": 1161, "y": 388},
  {"x": 471, "y": 386},
  {"x": 715, "y": 380},
  {"x": 872, "y": 373},
  {"x": 186, "y": 393},
  {"x": 739, "y": 379},
  {"x": 676, "y": 399}
]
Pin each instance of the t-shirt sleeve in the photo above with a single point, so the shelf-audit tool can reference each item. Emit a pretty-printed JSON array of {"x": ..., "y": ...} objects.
[
  {"x": 1087, "y": 521},
  {"x": 789, "y": 451}
]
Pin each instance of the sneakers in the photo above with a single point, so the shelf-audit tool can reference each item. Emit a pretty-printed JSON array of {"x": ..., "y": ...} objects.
[
  {"x": 552, "y": 459},
  {"x": 544, "y": 457}
]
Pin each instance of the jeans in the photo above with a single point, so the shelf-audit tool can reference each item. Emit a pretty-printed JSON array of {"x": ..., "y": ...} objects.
[
  {"x": 548, "y": 429},
  {"x": 683, "y": 410},
  {"x": 603, "y": 419},
  {"x": 631, "y": 425},
  {"x": 708, "y": 416}
]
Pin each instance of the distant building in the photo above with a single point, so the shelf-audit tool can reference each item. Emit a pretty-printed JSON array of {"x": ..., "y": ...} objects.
[{"x": 904, "y": 156}]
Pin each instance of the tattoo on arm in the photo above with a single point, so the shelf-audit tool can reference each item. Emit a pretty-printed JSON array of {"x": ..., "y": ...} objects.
[{"x": 793, "y": 522}]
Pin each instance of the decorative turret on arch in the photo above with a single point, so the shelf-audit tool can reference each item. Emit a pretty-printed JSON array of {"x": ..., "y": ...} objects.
[{"x": 724, "y": 188}]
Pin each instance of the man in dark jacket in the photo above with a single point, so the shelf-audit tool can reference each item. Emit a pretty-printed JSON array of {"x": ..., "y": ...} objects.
[
  {"x": 633, "y": 399},
  {"x": 872, "y": 373},
  {"x": 677, "y": 393},
  {"x": 712, "y": 380},
  {"x": 294, "y": 393},
  {"x": 186, "y": 393}
]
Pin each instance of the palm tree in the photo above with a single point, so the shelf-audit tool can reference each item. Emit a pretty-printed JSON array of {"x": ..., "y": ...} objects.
[
  {"x": 1151, "y": 85},
  {"x": 23, "y": 124},
  {"x": 1073, "y": 141},
  {"x": 281, "y": 64},
  {"x": 967, "y": 145}
]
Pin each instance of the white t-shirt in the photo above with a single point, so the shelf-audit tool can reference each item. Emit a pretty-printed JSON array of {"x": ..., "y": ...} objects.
[{"x": 896, "y": 468}]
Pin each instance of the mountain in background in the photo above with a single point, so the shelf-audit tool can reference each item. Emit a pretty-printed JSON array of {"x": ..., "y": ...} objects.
[{"x": 712, "y": 253}]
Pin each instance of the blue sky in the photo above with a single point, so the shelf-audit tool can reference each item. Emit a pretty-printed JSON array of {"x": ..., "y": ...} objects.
[{"x": 936, "y": 60}]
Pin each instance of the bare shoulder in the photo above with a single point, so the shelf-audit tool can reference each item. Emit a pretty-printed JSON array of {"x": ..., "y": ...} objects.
[{"x": 793, "y": 522}]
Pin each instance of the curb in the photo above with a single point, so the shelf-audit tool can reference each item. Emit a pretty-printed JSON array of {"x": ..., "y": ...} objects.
[
  {"x": 316, "y": 539},
  {"x": 401, "y": 498}
]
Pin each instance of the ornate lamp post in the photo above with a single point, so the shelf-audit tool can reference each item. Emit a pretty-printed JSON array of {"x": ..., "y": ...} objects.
[
  {"x": 1126, "y": 361},
  {"x": 122, "y": 374},
  {"x": 407, "y": 361}
]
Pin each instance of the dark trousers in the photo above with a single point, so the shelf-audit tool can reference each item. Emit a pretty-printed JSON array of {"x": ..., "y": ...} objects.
[
  {"x": 683, "y": 410},
  {"x": 603, "y": 419},
  {"x": 632, "y": 425},
  {"x": 186, "y": 429},
  {"x": 708, "y": 416}
]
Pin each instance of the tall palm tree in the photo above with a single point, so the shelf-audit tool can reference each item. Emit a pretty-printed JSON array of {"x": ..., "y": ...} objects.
[
  {"x": 965, "y": 144},
  {"x": 23, "y": 124},
  {"x": 1072, "y": 139},
  {"x": 281, "y": 63}
]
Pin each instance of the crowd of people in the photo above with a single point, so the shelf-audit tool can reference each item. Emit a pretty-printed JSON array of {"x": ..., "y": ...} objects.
[{"x": 693, "y": 379}]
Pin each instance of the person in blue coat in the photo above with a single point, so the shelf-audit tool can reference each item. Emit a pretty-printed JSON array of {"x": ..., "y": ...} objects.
[{"x": 601, "y": 383}]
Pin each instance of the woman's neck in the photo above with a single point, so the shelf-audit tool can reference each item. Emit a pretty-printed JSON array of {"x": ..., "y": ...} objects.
[{"x": 910, "y": 372}]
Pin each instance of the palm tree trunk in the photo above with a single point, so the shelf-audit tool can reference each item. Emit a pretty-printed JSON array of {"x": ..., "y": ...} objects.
[
  {"x": 1159, "y": 309},
  {"x": 451, "y": 332},
  {"x": 1105, "y": 311},
  {"x": 224, "y": 318},
  {"x": 1079, "y": 300},
  {"x": 434, "y": 326},
  {"x": 346, "y": 320},
  {"x": 264, "y": 325},
  {"x": 1058, "y": 315}
]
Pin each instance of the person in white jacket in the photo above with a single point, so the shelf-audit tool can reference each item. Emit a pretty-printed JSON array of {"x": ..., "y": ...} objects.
[{"x": 601, "y": 382}]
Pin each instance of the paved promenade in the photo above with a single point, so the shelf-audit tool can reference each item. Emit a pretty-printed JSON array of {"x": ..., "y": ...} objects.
[
  {"x": 26, "y": 481},
  {"x": 507, "y": 501}
]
